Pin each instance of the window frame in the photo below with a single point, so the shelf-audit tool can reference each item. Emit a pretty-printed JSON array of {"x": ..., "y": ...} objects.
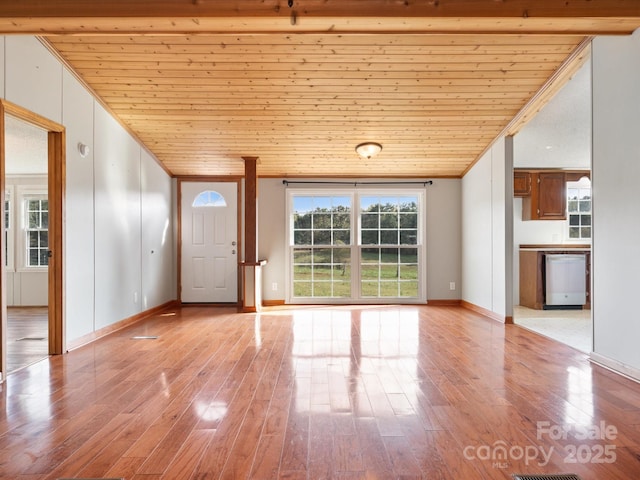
[
  {"x": 579, "y": 184},
  {"x": 10, "y": 229},
  {"x": 25, "y": 194},
  {"x": 356, "y": 246}
]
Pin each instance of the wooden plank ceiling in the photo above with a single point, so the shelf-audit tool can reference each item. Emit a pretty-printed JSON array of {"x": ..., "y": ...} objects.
[{"x": 302, "y": 98}]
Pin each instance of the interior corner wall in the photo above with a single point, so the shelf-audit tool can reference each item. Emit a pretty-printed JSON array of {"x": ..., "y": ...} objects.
[
  {"x": 444, "y": 238},
  {"x": 485, "y": 228},
  {"x": 615, "y": 170},
  {"x": 271, "y": 237},
  {"x": 118, "y": 201}
]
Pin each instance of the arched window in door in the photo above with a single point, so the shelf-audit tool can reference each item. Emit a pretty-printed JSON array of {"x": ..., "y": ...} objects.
[{"x": 209, "y": 198}]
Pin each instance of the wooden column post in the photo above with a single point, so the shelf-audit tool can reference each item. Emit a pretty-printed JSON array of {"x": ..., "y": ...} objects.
[
  {"x": 250, "y": 209},
  {"x": 250, "y": 268}
]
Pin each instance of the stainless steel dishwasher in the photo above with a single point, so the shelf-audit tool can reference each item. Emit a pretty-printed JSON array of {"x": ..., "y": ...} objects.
[{"x": 565, "y": 280}]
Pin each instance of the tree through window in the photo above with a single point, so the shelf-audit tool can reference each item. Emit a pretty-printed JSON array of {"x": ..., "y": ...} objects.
[
  {"x": 579, "y": 209},
  {"x": 371, "y": 252}
]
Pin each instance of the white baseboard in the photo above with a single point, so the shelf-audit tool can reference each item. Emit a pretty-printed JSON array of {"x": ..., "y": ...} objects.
[{"x": 616, "y": 366}]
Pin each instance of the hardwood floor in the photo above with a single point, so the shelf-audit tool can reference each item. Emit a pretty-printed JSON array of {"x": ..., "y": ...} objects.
[
  {"x": 319, "y": 392},
  {"x": 27, "y": 336}
]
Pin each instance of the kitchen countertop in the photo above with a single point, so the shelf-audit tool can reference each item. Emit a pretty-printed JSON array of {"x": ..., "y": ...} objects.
[{"x": 572, "y": 246}]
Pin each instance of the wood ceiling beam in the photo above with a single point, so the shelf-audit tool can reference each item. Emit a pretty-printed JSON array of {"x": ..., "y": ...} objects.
[{"x": 319, "y": 16}]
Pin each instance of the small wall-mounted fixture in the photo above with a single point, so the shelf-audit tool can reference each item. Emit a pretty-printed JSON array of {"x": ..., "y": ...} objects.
[
  {"x": 83, "y": 149},
  {"x": 368, "y": 149}
]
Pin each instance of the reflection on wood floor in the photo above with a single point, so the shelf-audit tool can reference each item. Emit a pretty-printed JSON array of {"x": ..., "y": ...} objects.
[
  {"x": 386, "y": 392},
  {"x": 27, "y": 336}
]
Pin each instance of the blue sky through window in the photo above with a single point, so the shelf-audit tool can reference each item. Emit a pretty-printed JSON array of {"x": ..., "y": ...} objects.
[{"x": 307, "y": 203}]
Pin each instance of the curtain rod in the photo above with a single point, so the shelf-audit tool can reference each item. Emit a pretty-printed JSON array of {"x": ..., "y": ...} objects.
[{"x": 355, "y": 184}]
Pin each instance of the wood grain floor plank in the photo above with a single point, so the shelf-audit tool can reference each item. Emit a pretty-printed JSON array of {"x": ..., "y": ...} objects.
[
  {"x": 321, "y": 445},
  {"x": 230, "y": 425},
  {"x": 374, "y": 454},
  {"x": 421, "y": 444},
  {"x": 267, "y": 461},
  {"x": 110, "y": 455},
  {"x": 65, "y": 441},
  {"x": 188, "y": 457},
  {"x": 125, "y": 467},
  {"x": 27, "y": 336},
  {"x": 347, "y": 454},
  {"x": 401, "y": 457},
  {"x": 241, "y": 457},
  {"x": 350, "y": 392},
  {"x": 82, "y": 457},
  {"x": 296, "y": 443}
]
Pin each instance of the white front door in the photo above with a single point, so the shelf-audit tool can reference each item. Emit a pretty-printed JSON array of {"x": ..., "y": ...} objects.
[{"x": 209, "y": 266}]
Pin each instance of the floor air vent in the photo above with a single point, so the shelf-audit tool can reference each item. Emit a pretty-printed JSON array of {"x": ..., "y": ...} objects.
[
  {"x": 143, "y": 337},
  {"x": 569, "y": 476}
]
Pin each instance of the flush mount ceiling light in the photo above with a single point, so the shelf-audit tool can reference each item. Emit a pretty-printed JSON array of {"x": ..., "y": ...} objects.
[{"x": 368, "y": 149}]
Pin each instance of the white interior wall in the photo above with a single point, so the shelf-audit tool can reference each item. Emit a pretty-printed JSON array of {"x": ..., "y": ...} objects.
[
  {"x": 444, "y": 239},
  {"x": 157, "y": 238},
  {"x": 117, "y": 222},
  {"x": 616, "y": 167},
  {"x": 77, "y": 116},
  {"x": 477, "y": 234},
  {"x": 443, "y": 224},
  {"x": 271, "y": 236},
  {"x": 117, "y": 198},
  {"x": 485, "y": 229},
  {"x": 33, "y": 77}
]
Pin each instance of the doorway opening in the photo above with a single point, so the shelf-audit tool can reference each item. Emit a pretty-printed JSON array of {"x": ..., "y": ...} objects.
[
  {"x": 26, "y": 231},
  {"x": 565, "y": 313},
  {"x": 551, "y": 162},
  {"x": 32, "y": 161}
]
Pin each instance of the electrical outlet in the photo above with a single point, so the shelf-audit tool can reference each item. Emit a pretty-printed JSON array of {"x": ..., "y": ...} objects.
[
  {"x": 274, "y": 286},
  {"x": 452, "y": 285}
]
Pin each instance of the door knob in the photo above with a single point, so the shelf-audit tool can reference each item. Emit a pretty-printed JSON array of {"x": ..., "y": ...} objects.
[
  {"x": 233, "y": 243},
  {"x": 233, "y": 252}
]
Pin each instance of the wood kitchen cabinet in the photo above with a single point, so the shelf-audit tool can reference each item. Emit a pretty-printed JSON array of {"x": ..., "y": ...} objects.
[
  {"x": 548, "y": 198},
  {"x": 521, "y": 183},
  {"x": 544, "y": 192}
]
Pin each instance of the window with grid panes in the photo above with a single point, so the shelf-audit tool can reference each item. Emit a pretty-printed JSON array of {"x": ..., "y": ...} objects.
[
  {"x": 37, "y": 231},
  {"x": 579, "y": 209},
  {"x": 356, "y": 245},
  {"x": 7, "y": 227},
  {"x": 389, "y": 240},
  {"x": 321, "y": 246}
]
